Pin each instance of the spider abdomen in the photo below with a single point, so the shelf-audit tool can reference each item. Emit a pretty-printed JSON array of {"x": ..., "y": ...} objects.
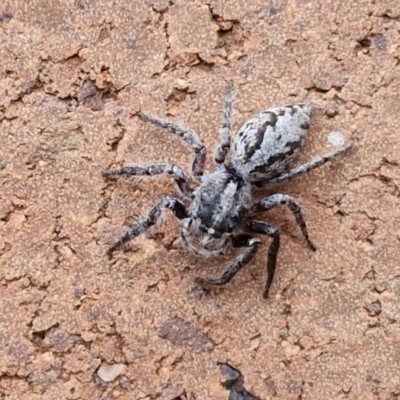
[{"x": 267, "y": 143}]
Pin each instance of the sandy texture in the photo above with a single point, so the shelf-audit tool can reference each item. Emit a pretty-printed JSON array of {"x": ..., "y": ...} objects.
[{"x": 73, "y": 77}]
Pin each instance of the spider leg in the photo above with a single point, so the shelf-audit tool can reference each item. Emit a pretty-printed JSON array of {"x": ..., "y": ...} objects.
[
  {"x": 252, "y": 243},
  {"x": 176, "y": 173},
  {"x": 270, "y": 230},
  {"x": 302, "y": 169},
  {"x": 283, "y": 199},
  {"x": 226, "y": 126},
  {"x": 189, "y": 137},
  {"x": 175, "y": 205}
]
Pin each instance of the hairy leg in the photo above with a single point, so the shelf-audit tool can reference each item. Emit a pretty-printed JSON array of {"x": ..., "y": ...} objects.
[
  {"x": 176, "y": 173},
  {"x": 189, "y": 137},
  {"x": 270, "y": 230},
  {"x": 175, "y": 205},
  {"x": 283, "y": 199},
  {"x": 240, "y": 261},
  {"x": 226, "y": 126},
  {"x": 302, "y": 169}
]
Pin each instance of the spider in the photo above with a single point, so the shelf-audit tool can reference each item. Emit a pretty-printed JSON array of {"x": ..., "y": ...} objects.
[{"x": 219, "y": 213}]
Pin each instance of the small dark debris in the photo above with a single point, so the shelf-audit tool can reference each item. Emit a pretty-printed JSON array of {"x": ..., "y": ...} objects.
[
  {"x": 197, "y": 293},
  {"x": 6, "y": 17},
  {"x": 90, "y": 96},
  {"x": 94, "y": 315},
  {"x": 131, "y": 44},
  {"x": 374, "y": 309},
  {"x": 37, "y": 337},
  {"x": 380, "y": 41},
  {"x": 79, "y": 291},
  {"x": 274, "y": 10},
  {"x": 271, "y": 387},
  {"x": 234, "y": 381},
  {"x": 365, "y": 43},
  {"x": 59, "y": 341},
  {"x": 177, "y": 96},
  {"x": 370, "y": 378},
  {"x": 98, "y": 381},
  {"x": 80, "y": 5},
  {"x": 174, "y": 393},
  {"x": 182, "y": 333},
  {"x": 332, "y": 110}
]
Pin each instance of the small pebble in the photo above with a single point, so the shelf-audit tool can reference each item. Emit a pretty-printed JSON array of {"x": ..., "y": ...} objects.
[
  {"x": 108, "y": 373},
  {"x": 336, "y": 139}
]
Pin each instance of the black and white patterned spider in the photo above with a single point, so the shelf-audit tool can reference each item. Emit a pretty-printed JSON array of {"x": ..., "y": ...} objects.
[{"x": 219, "y": 213}]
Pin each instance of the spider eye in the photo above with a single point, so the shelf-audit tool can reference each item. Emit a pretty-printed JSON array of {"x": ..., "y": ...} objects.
[{"x": 214, "y": 233}]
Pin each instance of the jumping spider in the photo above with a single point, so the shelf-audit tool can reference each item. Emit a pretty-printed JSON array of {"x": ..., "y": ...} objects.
[{"x": 218, "y": 214}]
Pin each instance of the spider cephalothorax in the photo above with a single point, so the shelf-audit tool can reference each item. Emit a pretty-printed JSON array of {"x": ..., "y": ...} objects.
[
  {"x": 219, "y": 205},
  {"x": 218, "y": 214}
]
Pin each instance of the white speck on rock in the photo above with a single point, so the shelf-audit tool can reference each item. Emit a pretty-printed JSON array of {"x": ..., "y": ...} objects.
[
  {"x": 336, "y": 138},
  {"x": 108, "y": 373}
]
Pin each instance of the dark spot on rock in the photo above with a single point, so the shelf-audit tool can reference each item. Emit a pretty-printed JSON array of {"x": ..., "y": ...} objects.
[
  {"x": 19, "y": 349},
  {"x": 131, "y": 44},
  {"x": 273, "y": 11},
  {"x": 365, "y": 43},
  {"x": 59, "y": 341},
  {"x": 374, "y": 309},
  {"x": 182, "y": 333},
  {"x": 38, "y": 337},
  {"x": 90, "y": 96},
  {"x": 233, "y": 382},
  {"x": 271, "y": 386},
  {"x": 380, "y": 41},
  {"x": 94, "y": 315},
  {"x": 6, "y": 17}
]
